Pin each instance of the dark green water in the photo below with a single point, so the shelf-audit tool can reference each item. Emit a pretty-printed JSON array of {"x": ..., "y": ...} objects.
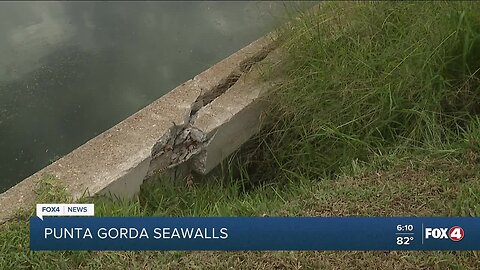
[{"x": 71, "y": 70}]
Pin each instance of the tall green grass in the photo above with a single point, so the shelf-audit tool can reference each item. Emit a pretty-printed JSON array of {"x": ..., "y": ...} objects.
[{"x": 366, "y": 79}]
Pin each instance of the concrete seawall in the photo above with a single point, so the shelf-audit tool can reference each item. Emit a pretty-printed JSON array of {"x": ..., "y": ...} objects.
[{"x": 193, "y": 127}]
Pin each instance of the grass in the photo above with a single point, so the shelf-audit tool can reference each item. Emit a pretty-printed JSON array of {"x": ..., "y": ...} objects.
[
  {"x": 378, "y": 115},
  {"x": 368, "y": 79}
]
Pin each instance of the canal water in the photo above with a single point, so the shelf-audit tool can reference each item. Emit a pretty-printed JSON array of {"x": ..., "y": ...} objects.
[{"x": 71, "y": 70}]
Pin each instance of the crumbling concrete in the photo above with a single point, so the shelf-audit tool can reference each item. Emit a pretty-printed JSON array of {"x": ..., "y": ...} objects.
[
  {"x": 200, "y": 122},
  {"x": 232, "y": 118}
]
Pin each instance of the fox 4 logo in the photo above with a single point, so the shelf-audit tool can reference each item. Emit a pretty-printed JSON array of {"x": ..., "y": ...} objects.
[{"x": 455, "y": 233}]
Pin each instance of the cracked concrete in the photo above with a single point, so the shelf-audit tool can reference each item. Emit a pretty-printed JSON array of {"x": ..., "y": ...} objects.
[
  {"x": 187, "y": 141},
  {"x": 193, "y": 123},
  {"x": 231, "y": 119}
]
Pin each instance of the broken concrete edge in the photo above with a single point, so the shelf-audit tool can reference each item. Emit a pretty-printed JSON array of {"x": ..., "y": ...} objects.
[
  {"x": 119, "y": 159},
  {"x": 219, "y": 127},
  {"x": 186, "y": 140},
  {"x": 234, "y": 117}
]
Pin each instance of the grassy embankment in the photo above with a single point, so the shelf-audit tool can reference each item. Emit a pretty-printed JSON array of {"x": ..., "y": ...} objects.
[{"x": 379, "y": 115}]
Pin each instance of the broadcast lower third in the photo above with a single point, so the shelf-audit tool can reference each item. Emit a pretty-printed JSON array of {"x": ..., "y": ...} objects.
[{"x": 55, "y": 209}]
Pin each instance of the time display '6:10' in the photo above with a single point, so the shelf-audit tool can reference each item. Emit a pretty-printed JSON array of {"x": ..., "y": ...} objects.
[{"x": 405, "y": 228}]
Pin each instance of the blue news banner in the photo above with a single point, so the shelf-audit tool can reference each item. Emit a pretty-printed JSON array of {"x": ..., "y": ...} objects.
[{"x": 254, "y": 233}]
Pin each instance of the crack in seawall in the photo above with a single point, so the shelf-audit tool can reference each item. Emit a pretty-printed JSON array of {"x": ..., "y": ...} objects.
[{"x": 184, "y": 141}]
